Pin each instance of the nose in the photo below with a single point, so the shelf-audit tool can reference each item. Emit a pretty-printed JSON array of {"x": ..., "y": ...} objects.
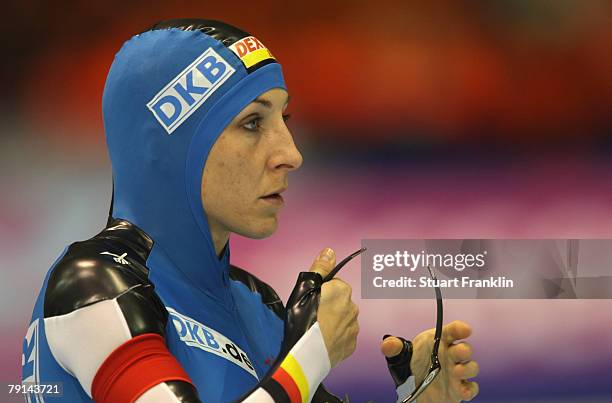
[{"x": 286, "y": 155}]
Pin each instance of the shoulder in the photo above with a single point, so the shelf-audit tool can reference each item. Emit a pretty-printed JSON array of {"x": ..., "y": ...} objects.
[
  {"x": 101, "y": 313},
  {"x": 268, "y": 296},
  {"x": 104, "y": 267}
]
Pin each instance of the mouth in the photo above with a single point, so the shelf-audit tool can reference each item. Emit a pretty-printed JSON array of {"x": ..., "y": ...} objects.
[{"x": 274, "y": 198}]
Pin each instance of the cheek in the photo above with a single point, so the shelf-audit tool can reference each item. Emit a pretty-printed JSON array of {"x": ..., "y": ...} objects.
[
  {"x": 233, "y": 185},
  {"x": 236, "y": 184},
  {"x": 238, "y": 181}
]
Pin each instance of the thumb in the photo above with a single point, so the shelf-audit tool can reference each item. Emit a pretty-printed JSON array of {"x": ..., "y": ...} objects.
[
  {"x": 325, "y": 262},
  {"x": 391, "y": 346}
]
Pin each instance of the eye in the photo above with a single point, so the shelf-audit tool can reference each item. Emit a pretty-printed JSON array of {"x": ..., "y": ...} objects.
[
  {"x": 286, "y": 117},
  {"x": 253, "y": 125}
]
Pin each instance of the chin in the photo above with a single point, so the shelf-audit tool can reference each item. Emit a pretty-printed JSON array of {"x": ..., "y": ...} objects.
[{"x": 261, "y": 229}]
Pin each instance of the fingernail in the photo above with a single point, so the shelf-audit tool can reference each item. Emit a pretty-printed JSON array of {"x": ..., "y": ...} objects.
[{"x": 326, "y": 255}]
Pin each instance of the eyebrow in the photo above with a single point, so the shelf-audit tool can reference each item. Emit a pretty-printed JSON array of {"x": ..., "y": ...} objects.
[{"x": 267, "y": 103}]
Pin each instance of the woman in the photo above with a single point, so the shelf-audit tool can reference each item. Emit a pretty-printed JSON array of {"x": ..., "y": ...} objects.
[{"x": 150, "y": 308}]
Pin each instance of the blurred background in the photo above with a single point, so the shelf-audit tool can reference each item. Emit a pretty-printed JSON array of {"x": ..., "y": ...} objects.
[{"x": 437, "y": 119}]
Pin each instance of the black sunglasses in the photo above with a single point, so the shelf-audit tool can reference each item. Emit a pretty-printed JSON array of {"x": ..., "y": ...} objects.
[{"x": 434, "y": 367}]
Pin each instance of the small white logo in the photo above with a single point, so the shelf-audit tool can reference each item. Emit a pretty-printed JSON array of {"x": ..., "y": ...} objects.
[{"x": 117, "y": 258}]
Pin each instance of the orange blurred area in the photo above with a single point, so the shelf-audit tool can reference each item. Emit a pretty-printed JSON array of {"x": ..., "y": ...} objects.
[{"x": 513, "y": 71}]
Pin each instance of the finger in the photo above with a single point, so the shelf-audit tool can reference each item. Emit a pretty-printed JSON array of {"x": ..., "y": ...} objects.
[
  {"x": 391, "y": 346},
  {"x": 460, "y": 352},
  {"x": 468, "y": 370},
  {"x": 468, "y": 390},
  {"x": 456, "y": 330},
  {"x": 340, "y": 280},
  {"x": 344, "y": 286},
  {"x": 325, "y": 262}
]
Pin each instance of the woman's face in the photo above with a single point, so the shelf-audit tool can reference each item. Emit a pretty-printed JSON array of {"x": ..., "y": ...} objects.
[{"x": 248, "y": 167}]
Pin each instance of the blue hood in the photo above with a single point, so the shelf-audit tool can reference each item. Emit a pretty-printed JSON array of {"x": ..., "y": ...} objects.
[{"x": 168, "y": 96}]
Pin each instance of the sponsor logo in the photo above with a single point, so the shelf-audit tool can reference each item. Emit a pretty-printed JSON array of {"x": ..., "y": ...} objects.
[
  {"x": 251, "y": 51},
  {"x": 117, "y": 258},
  {"x": 195, "y": 334},
  {"x": 187, "y": 91}
]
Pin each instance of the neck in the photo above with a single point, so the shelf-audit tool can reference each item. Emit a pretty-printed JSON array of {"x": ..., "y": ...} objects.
[{"x": 220, "y": 237}]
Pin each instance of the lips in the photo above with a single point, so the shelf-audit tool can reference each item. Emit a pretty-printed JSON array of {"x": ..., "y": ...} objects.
[{"x": 274, "y": 198}]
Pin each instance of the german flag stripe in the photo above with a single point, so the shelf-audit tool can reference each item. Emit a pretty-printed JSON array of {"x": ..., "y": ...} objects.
[
  {"x": 293, "y": 368},
  {"x": 256, "y": 57},
  {"x": 274, "y": 389},
  {"x": 302, "y": 369},
  {"x": 288, "y": 383}
]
